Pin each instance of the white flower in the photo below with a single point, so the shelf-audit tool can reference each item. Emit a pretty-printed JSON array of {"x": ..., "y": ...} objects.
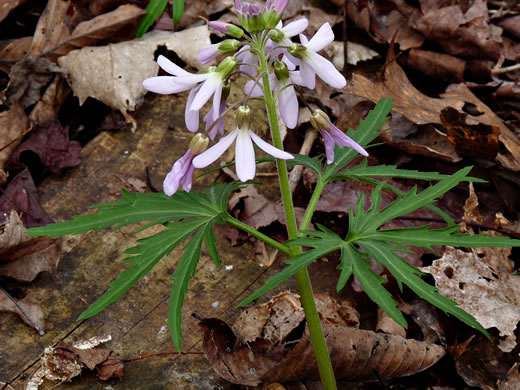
[
  {"x": 311, "y": 63},
  {"x": 244, "y": 152}
]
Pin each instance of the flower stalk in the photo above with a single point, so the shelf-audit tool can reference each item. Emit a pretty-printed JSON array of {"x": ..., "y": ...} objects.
[{"x": 302, "y": 277}]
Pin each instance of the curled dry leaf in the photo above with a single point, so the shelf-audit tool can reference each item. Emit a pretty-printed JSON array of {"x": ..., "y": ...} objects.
[
  {"x": 491, "y": 296},
  {"x": 512, "y": 382},
  {"x": 23, "y": 257},
  {"x": 356, "y": 354},
  {"x": 113, "y": 74},
  {"x": 30, "y": 313},
  {"x": 13, "y": 52},
  {"x": 14, "y": 123}
]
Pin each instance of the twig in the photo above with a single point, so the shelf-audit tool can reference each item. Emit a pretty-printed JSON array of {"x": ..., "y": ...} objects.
[{"x": 505, "y": 69}]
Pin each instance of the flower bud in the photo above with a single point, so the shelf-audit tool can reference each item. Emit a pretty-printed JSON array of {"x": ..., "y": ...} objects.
[
  {"x": 297, "y": 50},
  {"x": 243, "y": 116},
  {"x": 276, "y": 35},
  {"x": 228, "y": 46},
  {"x": 280, "y": 71},
  {"x": 227, "y": 28},
  {"x": 227, "y": 66},
  {"x": 320, "y": 120},
  {"x": 198, "y": 144}
]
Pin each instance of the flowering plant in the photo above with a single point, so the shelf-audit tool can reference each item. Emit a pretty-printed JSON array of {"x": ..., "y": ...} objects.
[{"x": 263, "y": 51}]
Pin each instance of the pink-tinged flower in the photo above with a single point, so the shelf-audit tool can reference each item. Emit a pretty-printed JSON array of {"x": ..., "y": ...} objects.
[
  {"x": 245, "y": 56},
  {"x": 244, "y": 152},
  {"x": 183, "y": 80},
  {"x": 333, "y": 136},
  {"x": 211, "y": 52},
  {"x": 210, "y": 118},
  {"x": 250, "y": 16},
  {"x": 273, "y": 11},
  {"x": 227, "y": 28},
  {"x": 182, "y": 171},
  {"x": 312, "y": 64}
]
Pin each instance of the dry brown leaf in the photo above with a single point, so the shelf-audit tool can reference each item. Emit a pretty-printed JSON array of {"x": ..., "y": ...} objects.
[
  {"x": 355, "y": 354},
  {"x": 30, "y": 313},
  {"x": 8, "y": 6},
  {"x": 50, "y": 103},
  {"x": 51, "y": 28},
  {"x": 512, "y": 382},
  {"x": 13, "y": 125},
  {"x": 355, "y": 53},
  {"x": 273, "y": 320},
  {"x": 422, "y": 110},
  {"x": 23, "y": 257},
  {"x": 471, "y": 213},
  {"x": 100, "y": 28},
  {"x": 491, "y": 296},
  {"x": 387, "y": 325},
  {"x": 114, "y": 73},
  {"x": 511, "y": 25},
  {"x": 13, "y": 52}
]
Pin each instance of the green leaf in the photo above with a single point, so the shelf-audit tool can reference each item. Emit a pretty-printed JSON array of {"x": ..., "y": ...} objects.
[
  {"x": 366, "y": 132},
  {"x": 134, "y": 208},
  {"x": 372, "y": 285},
  {"x": 154, "y": 9},
  {"x": 425, "y": 237},
  {"x": 410, "y": 202},
  {"x": 178, "y": 10},
  {"x": 407, "y": 274},
  {"x": 181, "y": 278},
  {"x": 211, "y": 243},
  {"x": 314, "y": 163},
  {"x": 149, "y": 251}
]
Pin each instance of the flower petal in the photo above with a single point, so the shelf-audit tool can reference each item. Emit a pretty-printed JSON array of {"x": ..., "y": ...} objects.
[
  {"x": 192, "y": 79},
  {"x": 164, "y": 85},
  {"x": 329, "y": 146},
  {"x": 268, "y": 148},
  {"x": 245, "y": 156},
  {"x": 325, "y": 70},
  {"x": 216, "y": 101},
  {"x": 256, "y": 92},
  {"x": 208, "y": 53},
  {"x": 295, "y": 28},
  {"x": 206, "y": 90},
  {"x": 343, "y": 140},
  {"x": 303, "y": 39},
  {"x": 170, "y": 67},
  {"x": 175, "y": 176},
  {"x": 288, "y": 104},
  {"x": 308, "y": 75},
  {"x": 323, "y": 37},
  {"x": 209, "y": 156},
  {"x": 191, "y": 117}
]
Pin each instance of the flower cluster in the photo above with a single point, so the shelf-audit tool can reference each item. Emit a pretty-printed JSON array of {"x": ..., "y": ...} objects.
[{"x": 277, "y": 68}]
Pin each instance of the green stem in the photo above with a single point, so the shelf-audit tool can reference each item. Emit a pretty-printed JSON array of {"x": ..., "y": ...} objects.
[
  {"x": 313, "y": 202},
  {"x": 302, "y": 277},
  {"x": 248, "y": 229}
]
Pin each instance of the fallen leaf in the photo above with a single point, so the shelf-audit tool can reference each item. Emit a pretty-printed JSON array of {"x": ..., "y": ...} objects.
[
  {"x": 50, "y": 103},
  {"x": 491, "y": 296},
  {"x": 23, "y": 257},
  {"x": 28, "y": 77},
  {"x": 387, "y": 325},
  {"x": 355, "y": 53},
  {"x": 471, "y": 138},
  {"x": 8, "y": 6},
  {"x": 113, "y": 74},
  {"x": 110, "y": 368},
  {"x": 30, "y": 313},
  {"x": 422, "y": 110},
  {"x": 437, "y": 65},
  {"x": 512, "y": 382},
  {"x": 14, "y": 123},
  {"x": 21, "y": 195},
  {"x": 511, "y": 25},
  {"x": 356, "y": 354},
  {"x": 51, "y": 28},
  {"x": 93, "y": 31},
  {"x": 13, "y": 52},
  {"x": 52, "y": 145}
]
